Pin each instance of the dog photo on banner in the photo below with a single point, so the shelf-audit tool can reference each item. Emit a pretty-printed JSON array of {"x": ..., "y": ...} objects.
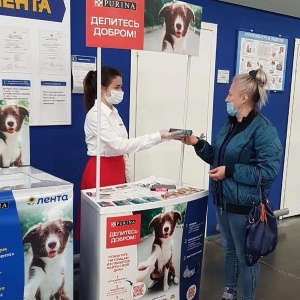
[
  {"x": 14, "y": 133},
  {"x": 159, "y": 252},
  {"x": 47, "y": 235},
  {"x": 172, "y": 27}
]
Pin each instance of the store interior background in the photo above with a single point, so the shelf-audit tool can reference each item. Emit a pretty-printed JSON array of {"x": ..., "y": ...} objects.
[{"x": 61, "y": 150}]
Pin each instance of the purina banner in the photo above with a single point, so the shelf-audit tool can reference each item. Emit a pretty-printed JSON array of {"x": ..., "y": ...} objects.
[
  {"x": 131, "y": 250},
  {"x": 162, "y": 26},
  {"x": 115, "y": 24}
]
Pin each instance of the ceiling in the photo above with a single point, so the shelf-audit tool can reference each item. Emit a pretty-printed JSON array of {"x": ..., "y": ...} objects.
[{"x": 285, "y": 7}]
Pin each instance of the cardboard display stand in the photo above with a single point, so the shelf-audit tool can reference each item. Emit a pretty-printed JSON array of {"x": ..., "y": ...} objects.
[
  {"x": 119, "y": 236},
  {"x": 36, "y": 220}
]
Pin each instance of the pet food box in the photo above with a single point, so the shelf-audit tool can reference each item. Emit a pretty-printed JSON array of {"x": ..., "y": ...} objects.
[
  {"x": 140, "y": 243},
  {"x": 36, "y": 236}
]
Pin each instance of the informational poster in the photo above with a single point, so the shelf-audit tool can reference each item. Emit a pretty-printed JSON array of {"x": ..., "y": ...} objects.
[
  {"x": 150, "y": 25},
  {"x": 15, "y": 49},
  {"x": 53, "y": 58},
  {"x": 81, "y": 65},
  {"x": 53, "y": 103},
  {"x": 35, "y": 46},
  {"x": 16, "y": 90},
  {"x": 260, "y": 51}
]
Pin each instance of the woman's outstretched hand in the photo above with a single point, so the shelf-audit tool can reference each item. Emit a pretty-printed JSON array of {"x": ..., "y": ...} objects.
[{"x": 190, "y": 140}]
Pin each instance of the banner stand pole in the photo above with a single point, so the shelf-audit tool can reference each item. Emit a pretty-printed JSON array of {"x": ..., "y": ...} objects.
[
  {"x": 98, "y": 68},
  {"x": 186, "y": 98}
]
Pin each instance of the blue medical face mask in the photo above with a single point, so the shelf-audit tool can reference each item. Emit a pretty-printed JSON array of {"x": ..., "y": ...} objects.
[{"x": 231, "y": 111}]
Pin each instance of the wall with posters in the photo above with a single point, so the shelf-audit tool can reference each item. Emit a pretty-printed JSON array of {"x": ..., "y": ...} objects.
[
  {"x": 35, "y": 48},
  {"x": 61, "y": 150}
]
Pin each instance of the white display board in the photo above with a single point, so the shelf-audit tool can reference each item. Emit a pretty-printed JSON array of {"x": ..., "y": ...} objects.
[
  {"x": 35, "y": 49},
  {"x": 158, "y": 87},
  {"x": 290, "y": 180}
]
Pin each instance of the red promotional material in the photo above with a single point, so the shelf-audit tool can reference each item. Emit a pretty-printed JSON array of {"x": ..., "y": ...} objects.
[
  {"x": 123, "y": 231},
  {"x": 115, "y": 24}
]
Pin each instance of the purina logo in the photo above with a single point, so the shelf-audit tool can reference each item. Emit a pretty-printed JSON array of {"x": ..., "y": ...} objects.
[
  {"x": 123, "y": 223},
  {"x": 4, "y": 205},
  {"x": 116, "y": 4}
]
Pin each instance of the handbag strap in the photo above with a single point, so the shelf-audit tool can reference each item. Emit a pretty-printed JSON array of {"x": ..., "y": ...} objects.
[
  {"x": 258, "y": 176},
  {"x": 263, "y": 215}
]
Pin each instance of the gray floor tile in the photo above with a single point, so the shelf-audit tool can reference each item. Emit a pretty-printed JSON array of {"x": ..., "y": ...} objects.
[{"x": 280, "y": 271}]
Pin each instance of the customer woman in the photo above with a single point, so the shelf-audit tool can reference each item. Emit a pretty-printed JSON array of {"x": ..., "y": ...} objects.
[{"x": 246, "y": 141}]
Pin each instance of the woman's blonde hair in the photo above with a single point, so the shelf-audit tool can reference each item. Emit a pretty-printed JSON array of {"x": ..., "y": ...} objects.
[{"x": 254, "y": 85}]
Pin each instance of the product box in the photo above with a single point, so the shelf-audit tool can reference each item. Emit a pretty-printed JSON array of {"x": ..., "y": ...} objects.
[{"x": 36, "y": 236}]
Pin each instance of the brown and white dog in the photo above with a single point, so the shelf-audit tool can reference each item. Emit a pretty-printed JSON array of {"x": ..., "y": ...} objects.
[
  {"x": 160, "y": 262},
  {"x": 46, "y": 279},
  {"x": 11, "y": 120},
  {"x": 177, "y": 19}
]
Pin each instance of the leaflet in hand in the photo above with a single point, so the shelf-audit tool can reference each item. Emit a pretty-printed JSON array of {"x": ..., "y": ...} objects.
[{"x": 183, "y": 132}]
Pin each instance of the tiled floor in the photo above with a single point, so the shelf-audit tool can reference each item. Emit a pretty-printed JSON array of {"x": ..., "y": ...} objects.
[{"x": 280, "y": 271}]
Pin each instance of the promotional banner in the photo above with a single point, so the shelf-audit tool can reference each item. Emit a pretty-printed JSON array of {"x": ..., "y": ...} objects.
[
  {"x": 14, "y": 124},
  {"x": 155, "y": 253},
  {"x": 11, "y": 249},
  {"x": 115, "y": 24},
  {"x": 172, "y": 27},
  {"x": 36, "y": 242},
  {"x": 163, "y": 26}
]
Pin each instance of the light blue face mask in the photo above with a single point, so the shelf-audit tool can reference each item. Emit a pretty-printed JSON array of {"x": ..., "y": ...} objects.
[{"x": 231, "y": 111}]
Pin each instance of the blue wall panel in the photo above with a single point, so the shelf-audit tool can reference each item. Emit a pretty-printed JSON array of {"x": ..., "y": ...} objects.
[{"x": 61, "y": 151}]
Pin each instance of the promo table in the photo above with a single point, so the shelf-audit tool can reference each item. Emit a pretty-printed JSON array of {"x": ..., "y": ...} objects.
[{"x": 128, "y": 228}]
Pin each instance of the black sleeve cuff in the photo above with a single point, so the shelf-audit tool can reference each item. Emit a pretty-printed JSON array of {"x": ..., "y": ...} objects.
[
  {"x": 199, "y": 144},
  {"x": 229, "y": 171}
]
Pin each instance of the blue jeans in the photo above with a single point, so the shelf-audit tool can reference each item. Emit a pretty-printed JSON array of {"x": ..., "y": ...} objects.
[{"x": 233, "y": 239}]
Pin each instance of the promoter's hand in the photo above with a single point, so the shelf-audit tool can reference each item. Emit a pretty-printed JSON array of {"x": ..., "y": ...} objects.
[
  {"x": 190, "y": 140},
  {"x": 217, "y": 173},
  {"x": 167, "y": 136}
]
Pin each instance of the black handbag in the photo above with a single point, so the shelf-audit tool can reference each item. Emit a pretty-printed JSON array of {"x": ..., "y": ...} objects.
[{"x": 260, "y": 228}]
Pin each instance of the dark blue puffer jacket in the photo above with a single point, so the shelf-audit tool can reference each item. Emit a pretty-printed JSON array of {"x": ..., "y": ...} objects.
[{"x": 250, "y": 143}]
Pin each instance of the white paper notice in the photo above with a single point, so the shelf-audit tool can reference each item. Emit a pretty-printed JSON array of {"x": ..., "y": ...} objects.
[
  {"x": 54, "y": 106},
  {"x": 52, "y": 52},
  {"x": 15, "y": 90},
  {"x": 223, "y": 76},
  {"x": 14, "y": 49},
  {"x": 81, "y": 65}
]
